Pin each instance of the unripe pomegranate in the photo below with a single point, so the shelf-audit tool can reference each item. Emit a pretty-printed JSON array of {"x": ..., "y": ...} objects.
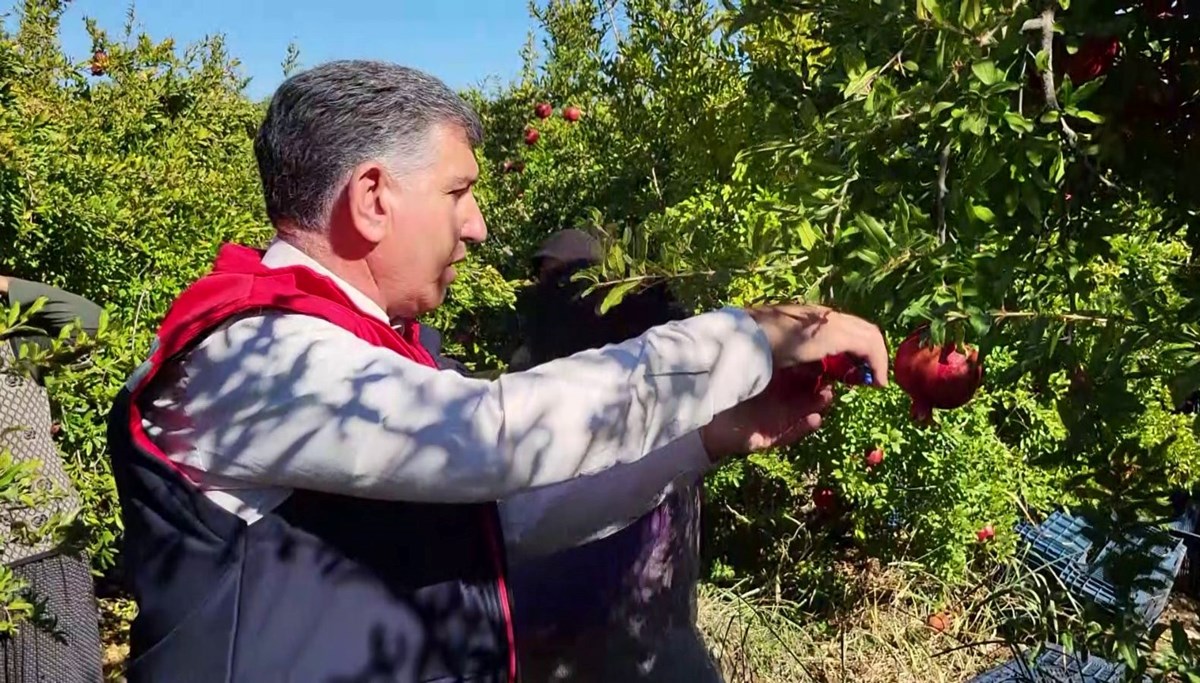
[
  {"x": 936, "y": 376},
  {"x": 542, "y": 110},
  {"x": 99, "y": 63},
  {"x": 571, "y": 114},
  {"x": 531, "y": 136},
  {"x": 874, "y": 458},
  {"x": 985, "y": 534}
]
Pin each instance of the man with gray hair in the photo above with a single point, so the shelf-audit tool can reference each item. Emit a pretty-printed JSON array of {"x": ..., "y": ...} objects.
[{"x": 307, "y": 497}]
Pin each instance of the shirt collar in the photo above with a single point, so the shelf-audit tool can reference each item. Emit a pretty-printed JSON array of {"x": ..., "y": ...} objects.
[{"x": 280, "y": 254}]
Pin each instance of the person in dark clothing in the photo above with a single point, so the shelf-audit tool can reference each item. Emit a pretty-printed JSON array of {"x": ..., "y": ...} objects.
[
  {"x": 556, "y": 320},
  {"x": 71, "y": 653},
  {"x": 622, "y": 607}
]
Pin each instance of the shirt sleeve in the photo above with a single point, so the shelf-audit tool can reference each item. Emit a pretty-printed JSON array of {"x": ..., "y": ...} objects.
[
  {"x": 288, "y": 400},
  {"x": 586, "y": 509}
]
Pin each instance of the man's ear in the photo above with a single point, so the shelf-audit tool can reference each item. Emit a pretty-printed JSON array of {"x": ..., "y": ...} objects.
[{"x": 368, "y": 202}]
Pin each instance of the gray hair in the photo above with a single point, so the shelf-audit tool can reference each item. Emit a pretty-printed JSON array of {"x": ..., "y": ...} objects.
[{"x": 323, "y": 122}]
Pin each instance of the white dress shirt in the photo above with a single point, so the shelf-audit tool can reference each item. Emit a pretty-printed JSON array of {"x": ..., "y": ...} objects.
[{"x": 575, "y": 449}]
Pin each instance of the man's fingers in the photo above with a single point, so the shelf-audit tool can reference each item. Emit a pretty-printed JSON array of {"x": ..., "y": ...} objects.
[
  {"x": 864, "y": 340},
  {"x": 876, "y": 355}
]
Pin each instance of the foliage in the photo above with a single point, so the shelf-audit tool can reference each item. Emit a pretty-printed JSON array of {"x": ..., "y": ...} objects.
[
  {"x": 926, "y": 165},
  {"x": 918, "y": 163}
]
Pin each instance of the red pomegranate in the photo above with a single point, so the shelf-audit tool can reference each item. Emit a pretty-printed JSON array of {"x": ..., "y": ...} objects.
[
  {"x": 936, "y": 376},
  {"x": 99, "y": 63},
  {"x": 571, "y": 114},
  {"x": 543, "y": 110},
  {"x": 531, "y": 136},
  {"x": 824, "y": 499},
  {"x": 874, "y": 458},
  {"x": 1159, "y": 9},
  {"x": 1094, "y": 58},
  {"x": 985, "y": 534}
]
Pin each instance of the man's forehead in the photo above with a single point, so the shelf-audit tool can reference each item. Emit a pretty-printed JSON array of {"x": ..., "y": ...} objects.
[{"x": 456, "y": 156}]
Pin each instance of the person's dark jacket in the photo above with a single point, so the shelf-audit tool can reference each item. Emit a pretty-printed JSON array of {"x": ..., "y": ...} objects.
[{"x": 557, "y": 321}]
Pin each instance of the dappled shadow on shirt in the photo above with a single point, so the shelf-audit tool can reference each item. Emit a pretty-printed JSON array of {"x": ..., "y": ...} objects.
[{"x": 265, "y": 422}]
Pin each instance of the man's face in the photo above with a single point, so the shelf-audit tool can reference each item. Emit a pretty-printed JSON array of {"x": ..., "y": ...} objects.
[
  {"x": 432, "y": 215},
  {"x": 548, "y": 267}
]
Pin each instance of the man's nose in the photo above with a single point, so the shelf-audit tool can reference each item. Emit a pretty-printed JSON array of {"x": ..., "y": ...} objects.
[{"x": 475, "y": 229}]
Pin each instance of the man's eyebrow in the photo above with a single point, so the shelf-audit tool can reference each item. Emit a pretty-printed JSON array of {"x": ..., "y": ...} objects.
[{"x": 460, "y": 181}]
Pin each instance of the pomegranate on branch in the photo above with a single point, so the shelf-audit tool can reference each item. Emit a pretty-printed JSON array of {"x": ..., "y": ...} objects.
[
  {"x": 1094, "y": 58},
  {"x": 936, "y": 376}
]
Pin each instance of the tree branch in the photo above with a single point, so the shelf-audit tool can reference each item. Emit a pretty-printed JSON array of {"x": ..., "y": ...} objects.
[
  {"x": 1046, "y": 24},
  {"x": 942, "y": 191}
]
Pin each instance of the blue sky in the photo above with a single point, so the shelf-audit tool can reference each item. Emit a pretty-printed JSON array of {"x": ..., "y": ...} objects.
[{"x": 463, "y": 42}]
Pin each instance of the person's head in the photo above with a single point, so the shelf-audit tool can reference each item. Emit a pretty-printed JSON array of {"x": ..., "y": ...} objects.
[
  {"x": 565, "y": 250},
  {"x": 368, "y": 166}
]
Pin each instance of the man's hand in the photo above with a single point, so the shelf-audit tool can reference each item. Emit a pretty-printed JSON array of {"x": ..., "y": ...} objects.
[
  {"x": 3, "y": 285},
  {"x": 801, "y": 334},
  {"x": 785, "y": 411},
  {"x": 792, "y": 404}
]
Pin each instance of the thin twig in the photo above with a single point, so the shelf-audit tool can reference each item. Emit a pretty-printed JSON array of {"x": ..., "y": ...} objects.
[
  {"x": 943, "y": 168},
  {"x": 612, "y": 20}
]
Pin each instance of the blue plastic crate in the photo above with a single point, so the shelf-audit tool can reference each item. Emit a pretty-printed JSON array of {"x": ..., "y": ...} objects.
[
  {"x": 1056, "y": 543},
  {"x": 1054, "y": 665},
  {"x": 1186, "y": 527},
  {"x": 1149, "y": 600}
]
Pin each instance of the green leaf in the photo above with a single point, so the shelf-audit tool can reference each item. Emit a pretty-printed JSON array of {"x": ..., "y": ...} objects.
[
  {"x": 1042, "y": 60},
  {"x": 981, "y": 322},
  {"x": 1017, "y": 122},
  {"x": 974, "y": 123},
  {"x": 1086, "y": 90},
  {"x": 808, "y": 235},
  {"x": 615, "y": 295},
  {"x": 1058, "y": 169},
  {"x": 873, "y": 229},
  {"x": 983, "y": 213},
  {"x": 1091, "y": 116},
  {"x": 986, "y": 72}
]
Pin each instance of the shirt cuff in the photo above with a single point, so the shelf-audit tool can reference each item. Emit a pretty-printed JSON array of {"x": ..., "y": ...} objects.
[{"x": 745, "y": 356}]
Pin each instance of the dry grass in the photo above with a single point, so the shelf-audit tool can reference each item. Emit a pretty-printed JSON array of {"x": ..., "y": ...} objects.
[{"x": 888, "y": 637}]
